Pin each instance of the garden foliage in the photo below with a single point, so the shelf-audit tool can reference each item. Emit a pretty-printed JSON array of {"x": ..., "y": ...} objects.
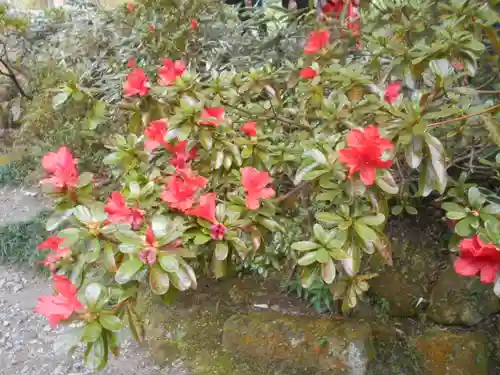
[{"x": 217, "y": 160}]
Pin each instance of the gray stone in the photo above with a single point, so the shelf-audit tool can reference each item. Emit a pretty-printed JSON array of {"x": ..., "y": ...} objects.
[{"x": 456, "y": 299}]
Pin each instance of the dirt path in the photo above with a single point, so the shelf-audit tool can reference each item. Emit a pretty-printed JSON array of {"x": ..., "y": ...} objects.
[{"x": 26, "y": 340}]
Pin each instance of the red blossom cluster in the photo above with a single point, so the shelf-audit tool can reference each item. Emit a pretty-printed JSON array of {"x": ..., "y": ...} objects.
[
  {"x": 478, "y": 257},
  {"x": 61, "y": 306}
]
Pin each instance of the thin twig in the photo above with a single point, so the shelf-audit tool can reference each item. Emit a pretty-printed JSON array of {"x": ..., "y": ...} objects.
[
  {"x": 495, "y": 92},
  {"x": 295, "y": 190},
  {"x": 465, "y": 116}
]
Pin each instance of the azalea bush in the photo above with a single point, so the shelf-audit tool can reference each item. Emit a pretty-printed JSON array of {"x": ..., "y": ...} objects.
[{"x": 215, "y": 168}]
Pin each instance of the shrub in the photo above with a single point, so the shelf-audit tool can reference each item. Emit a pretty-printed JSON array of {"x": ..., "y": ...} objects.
[{"x": 218, "y": 160}]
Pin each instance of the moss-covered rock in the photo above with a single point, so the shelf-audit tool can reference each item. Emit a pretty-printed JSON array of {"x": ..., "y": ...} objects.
[
  {"x": 324, "y": 345},
  {"x": 446, "y": 353},
  {"x": 416, "y": 256},
  {"x": 192, "y": 328},
  {"x": 461, "y": 300}
]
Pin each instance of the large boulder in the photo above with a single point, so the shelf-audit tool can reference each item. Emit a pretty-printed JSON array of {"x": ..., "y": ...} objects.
[
  {"x": 447, "y": 353},
  {"x": 321, "y": 346},
  {"x": 462, "y": 300},
  {"x": 197, "y": 331}
]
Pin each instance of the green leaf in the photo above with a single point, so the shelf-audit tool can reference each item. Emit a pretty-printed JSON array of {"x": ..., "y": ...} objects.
[
  {"x": 159, "y": 225},
  {"x": 96, "y": 355},
  {"x": 83, "y": 214},
  {"x": 128, "y": 270},
  {"x": 437, "y": 152},
  {"x": 201, "y": 239},
  {"x": 190, "y": 272},
  {"x": 411, "y": 210},
  {"x": 414, "y": 152},
  {"x": 396, "y": 210},
  {"x": 109, "y": 257},
  {"x": 169, "y": 263},
  {"x": 127, "y": 248},
  {"x": 305, "y": 246},
  {"x": 365, "y": 232},
  {"x": 93, "y": 292},
  {"x": 55, "y": 220},
  {"x": 70, "y": 235},
  {"x": 111, "y": 322},
  {"x": 307, "y": 259},
  {"x": 455, "y": 215},
  {"x": 338, "y": 254},
  {"x": 328, "y": 271},
  {"x": 386, "y": 183},
  {"x": 84, "y": 179},
  {"x": 450, "y": 206},
  {"x": 320, "y": 234},
  {"x": 60, "y": 99},
  {"x": 322, "y": 255},
  {"x": 493, "y": 209},
  {"x": 221, "y": 250},
  {"x": 307, "y": 277},
  {"x": 159, "y": 281},
  {"x": 463, "y": 227},
  {"x": 205, "y": 137},
  {"x": 372, "y": 220},
  {"x": 92, "y": 332},
  {"x": 476, "y": 199},
  {"x": 180, "y": 279},
  {"x": 329, "y": 218}
]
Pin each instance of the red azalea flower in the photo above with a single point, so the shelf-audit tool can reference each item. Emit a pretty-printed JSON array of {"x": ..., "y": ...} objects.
[
  {"x": 57, "y": 252},
  {"x": 151, "y": 27},
  {"x": 213, "y": 116},
  {"x": 364, "y": 153},
  {"x": 131, "y": 63},
  {"x": 119, "y": 212},
  {"x": 317, "y": 40},
  {"x": 333, "y": 8},
  {"x": 250, "y": 129},
  {"x": 181, "y": 154},
  {"x": 62, "y": 306},
  {"x": 194, "y": 23},
  {"x": 155, "y": 134},
  {"x": 478, "y": 257},
  {"x": 392, "y": 92},
  {"x": 62, "y": 167},
  {"x": 170, "y": 71},
  {"x": 205, "y": 209},
  {"x": 136, "y": 83},
  {"x": 180, "y": 190},
  {"x": 308, "y": 73},
  {"x": 131, "y": 7},
  {"x": 255, "y": 183},
  {"x": 217, "y": 231}
]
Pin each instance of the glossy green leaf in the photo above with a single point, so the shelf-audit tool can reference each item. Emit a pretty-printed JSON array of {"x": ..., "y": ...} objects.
[
  {"x": 180, "y": 279},
  {"x": 322, "y": 255},
  {"x": 365, "y": 232},
  {"x": 159, "y": 225},
  {"x": 169, "y": 263},
  {"x": 305, "y": 246},
  {"x": 476, "y": 199},
  {"x": 455, "y": 215},
  {"x": 111, "y": 322},
  {"x": 463, "y": 227},
  {"x": 159, "y": 281},
  {"x": 320, "y": 234},
  {"x": 328, "y": 271},
  {"x": 93, "y": 292},
  {"x": 493, "y": 209},
  {"x": 307, "y": 259},
  {"x": 372, "y": 220},
  {"x": 128, "y": 270},
  {"x": 221, "y": 250},
  {"x": 329, "y": 218},
  {"x": 450, "y": 206},
  {"x": 386, "y": 183},
  {"x": 60, "y": 99},
  {"x": 92, "y": 332}
]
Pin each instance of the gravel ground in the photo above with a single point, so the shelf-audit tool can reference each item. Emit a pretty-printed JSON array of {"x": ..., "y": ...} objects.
[{"x": 26, "y": 340}]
